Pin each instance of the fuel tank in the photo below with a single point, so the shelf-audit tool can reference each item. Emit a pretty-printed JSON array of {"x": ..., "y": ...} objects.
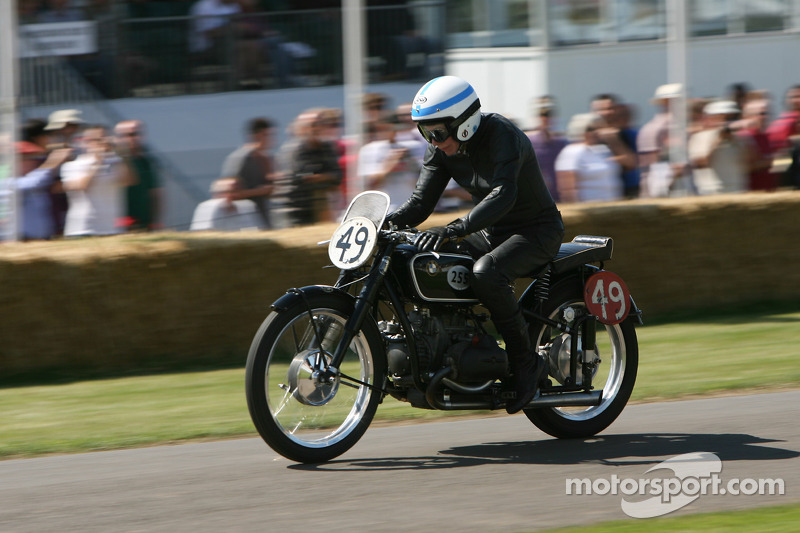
[{"x": 443, "y": 277}]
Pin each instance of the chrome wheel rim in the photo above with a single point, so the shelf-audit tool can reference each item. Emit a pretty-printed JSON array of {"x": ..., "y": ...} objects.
[
  {"x": 310, "y": 411},
  {"x": 610, "y": 371}
]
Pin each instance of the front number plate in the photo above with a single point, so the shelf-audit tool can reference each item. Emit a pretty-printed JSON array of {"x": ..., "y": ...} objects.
[{"x": 352, "y": 243}]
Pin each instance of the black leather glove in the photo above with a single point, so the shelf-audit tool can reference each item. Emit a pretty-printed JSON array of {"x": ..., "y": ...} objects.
[
  {"x": 432, "y": 239},
  {"x": 391, "y": 218}
]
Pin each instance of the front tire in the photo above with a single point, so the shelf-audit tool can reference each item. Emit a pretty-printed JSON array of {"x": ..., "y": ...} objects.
[
  {"x": 301, "y": 417},
  {"x": 618, "y": 351}
]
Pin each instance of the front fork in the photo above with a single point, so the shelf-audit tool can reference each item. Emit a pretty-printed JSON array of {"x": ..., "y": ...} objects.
[{"x": 364, "y": 303}]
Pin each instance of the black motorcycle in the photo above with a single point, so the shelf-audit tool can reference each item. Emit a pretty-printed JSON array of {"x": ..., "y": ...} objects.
[{"x": 407, "y": 324}]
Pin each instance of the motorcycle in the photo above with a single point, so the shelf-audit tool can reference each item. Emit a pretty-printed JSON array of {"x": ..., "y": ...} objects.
[{"x": 406, "y": 324}]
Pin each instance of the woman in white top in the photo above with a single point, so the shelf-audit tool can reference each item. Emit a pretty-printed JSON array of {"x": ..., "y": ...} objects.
[
  {"x": 95, "y": 183},
  {"x": 587, "y": 170}
]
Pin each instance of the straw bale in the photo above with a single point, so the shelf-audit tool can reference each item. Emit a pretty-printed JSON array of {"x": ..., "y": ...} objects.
[{"x": 159, "y": 300}]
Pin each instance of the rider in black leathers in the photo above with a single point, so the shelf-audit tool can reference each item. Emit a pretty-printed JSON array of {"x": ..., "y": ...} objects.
[{"x": 514, "y": 229}]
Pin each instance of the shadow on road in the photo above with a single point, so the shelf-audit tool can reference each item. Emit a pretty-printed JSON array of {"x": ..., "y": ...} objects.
[{"x": 612, "y": 450}]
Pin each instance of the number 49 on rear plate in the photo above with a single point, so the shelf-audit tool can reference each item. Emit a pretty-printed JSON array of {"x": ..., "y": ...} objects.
[{"x": 607, "y": 297}]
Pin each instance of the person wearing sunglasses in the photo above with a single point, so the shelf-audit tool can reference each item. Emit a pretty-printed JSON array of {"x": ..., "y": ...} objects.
[{"x": 513, "y": 229}]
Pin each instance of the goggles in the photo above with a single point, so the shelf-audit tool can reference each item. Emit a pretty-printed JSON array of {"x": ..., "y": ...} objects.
[{"x": 439, "y": 133}]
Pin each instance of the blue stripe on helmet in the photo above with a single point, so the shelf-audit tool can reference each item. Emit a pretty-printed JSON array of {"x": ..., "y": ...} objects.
[
  {"x": 425, "y": 87},
  {"x": 423, "y": 112}
]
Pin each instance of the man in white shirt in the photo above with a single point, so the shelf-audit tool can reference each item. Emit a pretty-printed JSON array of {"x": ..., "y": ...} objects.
[
  {"x": 222, "y": 212},
  {"x": 95, "y": 184}
]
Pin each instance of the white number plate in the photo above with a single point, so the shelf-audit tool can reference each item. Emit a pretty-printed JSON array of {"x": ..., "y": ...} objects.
[{"x": 352, "y": 243}]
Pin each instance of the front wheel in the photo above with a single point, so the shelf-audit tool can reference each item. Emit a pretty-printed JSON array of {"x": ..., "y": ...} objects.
[
  {"x": 296, "y": 410},
  {"x": 616, "y": 358}
]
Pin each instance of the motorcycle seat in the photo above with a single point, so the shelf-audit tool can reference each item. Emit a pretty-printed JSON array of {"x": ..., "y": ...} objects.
[{"x": 581, "y": 250}]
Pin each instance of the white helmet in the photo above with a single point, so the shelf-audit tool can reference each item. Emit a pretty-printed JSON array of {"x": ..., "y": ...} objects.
[{"x": 449, "y": 100}]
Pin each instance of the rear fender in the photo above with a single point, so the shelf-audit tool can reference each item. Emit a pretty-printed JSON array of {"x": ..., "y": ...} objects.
[{"x": 528, "y": 298}]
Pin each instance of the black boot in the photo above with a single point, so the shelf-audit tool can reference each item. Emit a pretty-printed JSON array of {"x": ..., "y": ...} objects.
[
  {"x": 527, "y": 365},
  {"x": 528, "y": 372}
]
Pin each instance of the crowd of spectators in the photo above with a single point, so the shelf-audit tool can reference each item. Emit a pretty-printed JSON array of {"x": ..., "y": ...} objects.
[
  {"x": 730, "y": 145},
  {"x": 79, "y": 179}
]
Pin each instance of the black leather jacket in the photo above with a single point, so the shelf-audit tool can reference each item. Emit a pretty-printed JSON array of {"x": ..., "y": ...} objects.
[{"x": 498, "y": 167}]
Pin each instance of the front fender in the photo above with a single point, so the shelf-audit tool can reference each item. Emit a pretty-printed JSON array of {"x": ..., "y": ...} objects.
[{"x": 292, "y": 296}]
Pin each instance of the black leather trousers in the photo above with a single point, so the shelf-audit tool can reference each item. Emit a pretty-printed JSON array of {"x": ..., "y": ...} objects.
[{"x": 500, "y": 261}]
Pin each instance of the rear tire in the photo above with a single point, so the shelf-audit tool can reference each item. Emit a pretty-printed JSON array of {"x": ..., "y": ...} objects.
[
  {"x": 301, "y": 418},
  {"x": 618, "y": 350}
]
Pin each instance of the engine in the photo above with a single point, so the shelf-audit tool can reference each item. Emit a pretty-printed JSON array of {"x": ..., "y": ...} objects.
[{"x": 452, "y": 339}]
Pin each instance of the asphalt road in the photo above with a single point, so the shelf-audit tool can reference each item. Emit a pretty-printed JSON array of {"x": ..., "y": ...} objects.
[{"x": 494, "y": 474}]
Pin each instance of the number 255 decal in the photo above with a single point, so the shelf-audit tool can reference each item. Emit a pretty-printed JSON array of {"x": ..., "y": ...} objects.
[{"x": 607, "y": 297}]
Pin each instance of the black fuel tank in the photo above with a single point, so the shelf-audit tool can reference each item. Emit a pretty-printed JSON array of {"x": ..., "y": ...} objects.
[{"x": 446, "y": 278}]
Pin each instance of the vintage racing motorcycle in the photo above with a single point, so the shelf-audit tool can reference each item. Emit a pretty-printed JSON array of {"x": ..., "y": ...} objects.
[{"x": 406, "y": 324}]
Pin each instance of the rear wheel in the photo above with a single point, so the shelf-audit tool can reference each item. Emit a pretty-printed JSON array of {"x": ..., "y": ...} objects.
[
  {"x": 296, "y": 410},
  {"x": 616, "y": 355}
]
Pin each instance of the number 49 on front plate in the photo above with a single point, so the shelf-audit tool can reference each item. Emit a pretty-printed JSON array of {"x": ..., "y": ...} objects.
[{"x": 352, "y": 243}]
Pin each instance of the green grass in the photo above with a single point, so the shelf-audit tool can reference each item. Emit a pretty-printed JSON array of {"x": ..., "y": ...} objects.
[
  {"x": 741, "y": 352},
  {"x": 779, "y": 519}
]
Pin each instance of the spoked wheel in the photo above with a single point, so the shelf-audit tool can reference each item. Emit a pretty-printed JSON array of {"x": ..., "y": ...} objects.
[
  {"x": 616, "y": 357},
  {"x": 303, "y": 413}
]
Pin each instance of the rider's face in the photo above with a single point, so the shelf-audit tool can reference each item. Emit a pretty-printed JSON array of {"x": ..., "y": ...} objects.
[
  {"x": 432, "y": 132},
  {"x": 449, "y": 146}
]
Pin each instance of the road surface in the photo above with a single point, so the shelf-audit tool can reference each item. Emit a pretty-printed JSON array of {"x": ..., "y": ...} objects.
[{"x": 477, "y": 475}]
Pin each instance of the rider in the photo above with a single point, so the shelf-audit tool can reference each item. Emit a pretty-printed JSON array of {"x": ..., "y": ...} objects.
[{"x": 514, "y": 228}]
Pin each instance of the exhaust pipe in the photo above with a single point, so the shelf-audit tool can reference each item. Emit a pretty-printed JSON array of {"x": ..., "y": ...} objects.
[
  {"x": 564, "y": 399},
  {"x": 568, "y": 399}
]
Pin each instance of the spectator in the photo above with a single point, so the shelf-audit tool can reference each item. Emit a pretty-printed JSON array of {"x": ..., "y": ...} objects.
[
  {"x": 37, "y": 172},
  {"x": 144, "y": 195},
  {"x": 60, "y": 11},
  {"x": 788, "y": 123},
  {"x": 332, "y": 132},
  {"x": 254, "y": 167},
  {"x": 389, "y": 165},
  {"x": 311, "y": 171},
  {"x": 375, "y": 109},
  {"x": 759, "y": 150},
  {"x": 717, "y": 154},
  {"x": 547, "y": 144},
  {"x": 95, "y": 183},
  {"x": 62, "y": 127},
  {"x": 631, "y": 177},
  {"x": 623, "y": 146},
  {"x": 654, "y": 141},
  {"x": 587, "y": 170},
  {"x": 224, "y": 212}
]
